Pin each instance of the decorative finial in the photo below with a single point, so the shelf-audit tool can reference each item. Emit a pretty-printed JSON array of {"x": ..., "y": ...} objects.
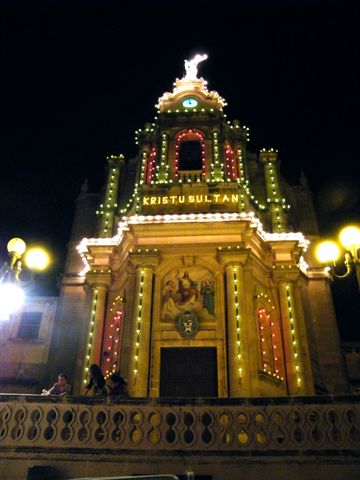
[
  {"x": 191, "y": 67},
  {"x": 84, "y": 186},
  {"x": 303, "y": 180}
]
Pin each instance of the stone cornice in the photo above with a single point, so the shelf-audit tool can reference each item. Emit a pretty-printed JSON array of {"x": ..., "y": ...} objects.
[
  {"x": 98, "y": 278},
  {"x": 290, "y": 274},
  {"x": 233, "y": 257},
  {"x": 143, "y": 259}
]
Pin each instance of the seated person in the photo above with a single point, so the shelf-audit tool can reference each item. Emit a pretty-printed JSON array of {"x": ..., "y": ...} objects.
[
  {"x": 62, "y": 387},
  {"x": 116, "y": 386}
]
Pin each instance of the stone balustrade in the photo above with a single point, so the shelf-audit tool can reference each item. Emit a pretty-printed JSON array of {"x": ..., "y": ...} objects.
[
  {"x": 251, "y": 426},
  {"x": 191, "y": 175}
]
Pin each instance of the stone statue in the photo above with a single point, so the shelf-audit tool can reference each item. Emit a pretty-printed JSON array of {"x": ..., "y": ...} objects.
[{"x": 191, "y": 66}]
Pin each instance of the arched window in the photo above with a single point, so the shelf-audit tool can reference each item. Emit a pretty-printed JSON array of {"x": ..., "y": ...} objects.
[
  {"x": 230, "y": 163},
  {"x": 271, "y": 352},
  {"x": 190, "y": 156},
  {"x": 112, "y": 338},
  {"x": 150, "y": 166},
  {"x": 266, "y": 341}
]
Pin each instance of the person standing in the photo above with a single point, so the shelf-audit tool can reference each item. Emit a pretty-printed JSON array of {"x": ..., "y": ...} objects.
[{"x": 96, "y": 385}]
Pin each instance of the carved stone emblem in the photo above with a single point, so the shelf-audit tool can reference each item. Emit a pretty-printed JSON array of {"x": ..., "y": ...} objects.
[{"x": 187, "y": 324}]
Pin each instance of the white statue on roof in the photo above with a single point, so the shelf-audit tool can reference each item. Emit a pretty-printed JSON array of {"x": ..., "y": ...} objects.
[
  {"x": 191, "y": 67},
  {"x": 190, "y": 83}
]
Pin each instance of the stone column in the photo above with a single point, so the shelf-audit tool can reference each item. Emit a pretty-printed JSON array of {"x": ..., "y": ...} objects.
[
  {"x": 235, "y": 340},
  {"x": 297, "y": 359},
  {"x": 274, "y": 199},
  {"x": 241, "y": 166},
  {"x": 108, "y": 207},
  {"x": 141, "y": 345},
  {"x": 145, "y": 158},
  {"x": 234, "y": 266},
  {"x": 217, "y": 173},
  {"x": 162, "y": 174},
  {"x": 99, "y": 283},
  {"x": 97, "y": 322}
]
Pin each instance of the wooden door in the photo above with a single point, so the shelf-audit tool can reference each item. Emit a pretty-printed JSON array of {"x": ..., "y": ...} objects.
[{"x": 188, "y": 372}]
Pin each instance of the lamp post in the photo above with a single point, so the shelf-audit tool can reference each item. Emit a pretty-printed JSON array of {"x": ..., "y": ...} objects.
[
  {"x": 328, "y": 252},
  {"x": 13, "y": 281}
]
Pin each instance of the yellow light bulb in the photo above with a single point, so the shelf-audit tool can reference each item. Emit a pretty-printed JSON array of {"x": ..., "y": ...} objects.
[
  {"x": 37, "y": 258},
  {"x": 16, "y": 245},
  {"x": 327, "y": 252},
  {"x": 350, "y": 237}
]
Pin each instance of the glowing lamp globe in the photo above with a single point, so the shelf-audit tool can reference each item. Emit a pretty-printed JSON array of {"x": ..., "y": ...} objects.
[
  {"x": 16, "y": 245},
  {"x": 350, "y": 237},
  {"x": 37, "y": 259},
  {"x": 11, "y": 299},
  {"x": 327, "y": 252}
]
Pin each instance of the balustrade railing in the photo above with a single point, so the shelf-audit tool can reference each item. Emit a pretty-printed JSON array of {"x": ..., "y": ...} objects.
[
  {"x": 256, "y": 425},
  {"x": 190, "y": 176}
]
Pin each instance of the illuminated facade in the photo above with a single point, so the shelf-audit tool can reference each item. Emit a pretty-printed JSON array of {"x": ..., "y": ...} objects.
[
  {"x": 201, "y": 281},
  {"x": 193, "y": 275}
]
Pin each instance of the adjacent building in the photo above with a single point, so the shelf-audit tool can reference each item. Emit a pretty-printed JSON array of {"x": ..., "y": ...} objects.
[{"x": 25, "y": 342}]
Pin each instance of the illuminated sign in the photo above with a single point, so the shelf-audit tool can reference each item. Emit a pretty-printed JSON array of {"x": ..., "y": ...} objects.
[{"x": 200, "y": 199}]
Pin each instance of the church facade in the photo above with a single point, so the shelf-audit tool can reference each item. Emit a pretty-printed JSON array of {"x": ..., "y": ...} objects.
[
  {"x": 200, "y": 281},
  {"x": 193, "y": 275}
]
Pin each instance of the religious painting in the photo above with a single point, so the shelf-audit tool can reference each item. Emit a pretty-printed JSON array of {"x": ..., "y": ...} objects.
[{"x": 188, "y": 290}]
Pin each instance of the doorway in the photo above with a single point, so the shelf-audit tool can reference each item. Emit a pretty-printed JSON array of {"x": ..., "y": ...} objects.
[{"x": 188, "y": 372}]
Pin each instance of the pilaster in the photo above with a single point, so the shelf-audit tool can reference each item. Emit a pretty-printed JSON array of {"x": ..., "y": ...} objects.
[
  {"x": 108, "y": 207},
  {"x": 238, "y": 375},
  {"x": 162, "y": 170},
  {"x": 297, "y": 358},
  {"x": 217, "y": 172},
  {"x": 141, "y": 338},
  {"x": 274, "y": 200},
  {"x": 99, "y": 284}
]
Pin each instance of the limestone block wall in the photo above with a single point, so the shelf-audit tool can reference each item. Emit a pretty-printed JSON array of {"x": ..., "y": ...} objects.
[
  {"x": 23, "y": 361},
  {"x": 321, "y": 315}
]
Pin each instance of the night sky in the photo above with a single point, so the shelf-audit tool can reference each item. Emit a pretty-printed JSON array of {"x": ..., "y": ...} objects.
[{"x": 77, "y": 79}]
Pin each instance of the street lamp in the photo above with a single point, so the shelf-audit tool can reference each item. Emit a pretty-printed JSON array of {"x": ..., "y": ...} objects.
[
  {"x": 328, "y": 252},
  {"x": 13, "y": 281}
]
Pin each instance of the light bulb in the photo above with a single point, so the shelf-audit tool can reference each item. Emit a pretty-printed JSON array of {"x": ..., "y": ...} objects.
[
  {"x": 16, "y": 245},
  {"x": 350, "y": 237},
  {"x": 327, "y": 252},
  {"x": 37, "y": 259}
]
